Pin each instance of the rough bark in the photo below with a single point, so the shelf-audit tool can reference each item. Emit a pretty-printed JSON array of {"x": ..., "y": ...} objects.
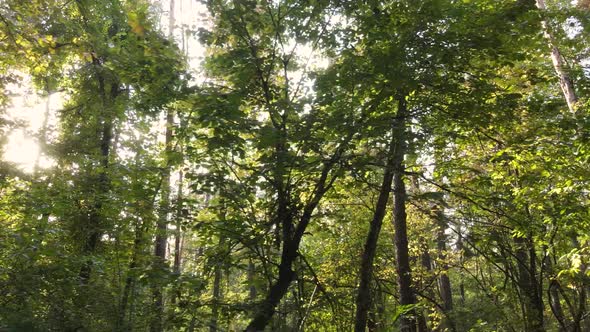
[{"x": 363, "y": 299}]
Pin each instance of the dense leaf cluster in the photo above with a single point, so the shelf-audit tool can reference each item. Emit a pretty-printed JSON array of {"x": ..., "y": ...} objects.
[{"x": 330, "y": 165}]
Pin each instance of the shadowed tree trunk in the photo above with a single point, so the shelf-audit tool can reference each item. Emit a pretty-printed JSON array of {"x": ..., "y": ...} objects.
[
  {"x": 292, "y": 235},
  {"x": 177, "y": 231},
  {"x": 218, "y": 274},
  {"x": 178, "y": 243},
  {"x": 94, "y": 220},
  {"x": 528, "y": 284},
  {"x": 123, "y": 324},
  {"x": 460, "y": 250},
  {"x": 553, "y": 296},
  {"x": 160, "y": 265},
  {"x": 408, "y": 321},
  {"x": 363, "y": 299},
  {"x": 108, "y": 91},
  {"x": 251, "y": 283},
  {"x": 444, "y": 282}
]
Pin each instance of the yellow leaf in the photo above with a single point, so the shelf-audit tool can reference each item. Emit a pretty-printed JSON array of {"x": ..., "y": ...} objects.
[
  {"x": 135, "y": 24},
  {"x": 576, "y": 261}
]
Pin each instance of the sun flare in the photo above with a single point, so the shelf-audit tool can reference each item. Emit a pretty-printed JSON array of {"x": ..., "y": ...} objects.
[{"x": 22, "y": 150}]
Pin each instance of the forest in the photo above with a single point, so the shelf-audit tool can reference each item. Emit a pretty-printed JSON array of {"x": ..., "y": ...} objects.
[{"x": 295, "y": 165}]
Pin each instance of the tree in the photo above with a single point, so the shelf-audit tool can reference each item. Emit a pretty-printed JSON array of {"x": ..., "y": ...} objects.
[{"x": 286, "y": 142}]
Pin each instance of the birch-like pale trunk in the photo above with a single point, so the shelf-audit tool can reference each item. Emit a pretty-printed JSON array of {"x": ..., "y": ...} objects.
[{"x": 565, "y": 81}]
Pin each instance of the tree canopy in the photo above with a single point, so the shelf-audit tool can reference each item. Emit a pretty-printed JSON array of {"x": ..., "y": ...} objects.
[{"x": 295, "y": 165}]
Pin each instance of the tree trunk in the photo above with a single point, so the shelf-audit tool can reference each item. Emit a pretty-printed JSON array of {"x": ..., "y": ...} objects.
[
  {"x": 178, "y": 243},
  {"x": 580, "y": 320},
  {"x": 291, "y": 241},
  {"x": 527, "y": 283},
  {"x": 157, "y": 324},
  {"x": 251, "y": 283},
  {"x": 565, "y": 81},
  {"x": 278, "y": 289},
  {"x": 426, "y": 262},
  {"x": 94, "y": 221},
  {"x": 408, "y": 321},
  {"x": 444, "y": 282},
  {"x": 553, "y": 295},
  {"x": 289, "y": 253},
  {"x": 216, "y": 295},
  {"x": 363, "y": 299},
  {"x": 161, "y": 240},
  {"x": 123, "y": 324},
  {"x": 177, "y": 231},
  {"x": 459, "y": 245}
]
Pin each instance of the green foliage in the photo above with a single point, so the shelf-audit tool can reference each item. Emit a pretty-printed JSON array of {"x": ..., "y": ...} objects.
[{"x": 283, "y": 142}]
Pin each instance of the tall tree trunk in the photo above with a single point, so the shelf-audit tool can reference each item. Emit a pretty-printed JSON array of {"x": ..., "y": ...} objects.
[
  {"x": 177, "y": 231},
  {"x": 251, "y": 283},
  {"x": 161, "y": 240},
  {"x": 528, "y": 285},
  {"x": 289, "y": 253},
  {"x": 123, "y": 324},
  {"x": 363, "y": 299},
  {"x": 408, "y": 321},
  {"x": 278, "y": 289},
  {"x": 460, "y": 250},
  {"x": 178, "y": 243},
  {"x": 444, "y": 282},
  {"x": 580, "y": 320},
  {"x": 216, "y": 294},
  {"x": 426, "y": 262},
  {"x": 157, "y": 323},
  {"x": 553, "y": 296},
  {"x": 94, "y": 221},
  {"x": 290, "y": 244},
  {"x": 565, "y": 81}
]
